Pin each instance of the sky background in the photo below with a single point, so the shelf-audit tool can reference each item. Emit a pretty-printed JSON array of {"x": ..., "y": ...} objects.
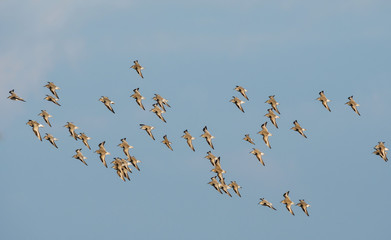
[{"x": 194, "y": 54}]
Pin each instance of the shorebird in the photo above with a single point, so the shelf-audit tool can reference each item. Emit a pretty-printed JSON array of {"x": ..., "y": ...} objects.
[
  {"x": 266, "y": 203},
  {"x": 52, "y": 87},
  {"x": 208, "y": 137},
  {"x": 80, "y": 156},
  {"x": 242, "y": 91},
  {"x": 235, "y": 187},
  {"x": 122, "y": 167},
  {"x": 266, "y": 134},
  {"x": 258, "y": 154},
  {"x": 134, "y": 162},
  {"x": 158, "y": 112},
  {"x": 71, "y": 127},
  {"x": 148, "y": 129},
  {"x": 248, "y": 139},
  {"x": 125, "y": 147},
  {"x": 288, "y": 203},
  {"x": 161, "y": 101},
  {"x": 189, "y": 139},
  {"x": 353, "y": 105},
  {"x": 303, "y": 206},
  {"x": 85, "y": 139},
  {"x": 15, "y": 97},
  {"x": 215, "y": 184},
  {"x": 381, "y": 151},
  {"x": 324, "y": 100},
  {"x": 136, "y": 95},
  {"x": 298, "y": 128},
  {"x": 225, "y": 188},
  {"x": 137, "y": 67},
  {"x": 51, "y": 139},
  {"x": 212, "y": 158},
  {"x": 237, "y": 102},
  {"x": 168, "y": 143},
  {"x": 52, "y": 99},
  {"x": 35, "y": 125},
  {"x": 273, "y": 103},
  {"x": 45, "y": 116},
  {"x": 106, "y": 101},
  {"x": 272, "y": 116},
  {"x": 102, "y": 152}
]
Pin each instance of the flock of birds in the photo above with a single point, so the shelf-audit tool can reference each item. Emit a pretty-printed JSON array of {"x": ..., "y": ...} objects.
[{"x": 122, "y": 165}]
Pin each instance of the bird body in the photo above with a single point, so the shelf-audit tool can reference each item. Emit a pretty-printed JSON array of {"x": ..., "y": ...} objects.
[
  {"x": 237, "y": 102},
  {"x": 35, "y": 125},
  {"x": 148, "y": 129},
  {"x": 80, "y": 156},
  {"x": 102, "y": 153},
  {"x": 353, "y": 105},
  {"x": 242, "y": 91},
  {"x": 15, "y": 97},
  {"x": 266, "y": 134},
  {"x": 208, "y": 137},
  {"x": 189, "y": 139},
  {"x": 107, "y": 102},
  {"x": 138, "y": 68},
  {"x": 322, "y": 98},
  {"x": 288, "y": 203},
  {"x": 298, "y": 129}
]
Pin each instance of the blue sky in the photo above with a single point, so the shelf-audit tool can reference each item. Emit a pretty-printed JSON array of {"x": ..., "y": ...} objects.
[{"x": 194, "y": 54}]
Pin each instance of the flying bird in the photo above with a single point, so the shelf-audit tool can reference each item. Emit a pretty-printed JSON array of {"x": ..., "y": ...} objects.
[
  {"x": 248, "y": 139},
  {"x": 272, "y": 101},
  {"x": 102, "y": 153},
  {"x": 52, "y": 99},
  {"x": 208, "y": 137},
  {"x": 71, "y": 128},
  {"x": 353, "y": 105},
  {"x": 258, "y": 154},
  {"x": 45, "y": 115},
  {"x": 298, "y": 128},
  {"x": 237, "y": 102},
  {"x": 51, "y": 139},
  {"x": 125, "y": 147},
  {"x": 35, "y": 125},
  {"x": 235, "y": 187},
  {"x": 134, "y": 162},
  {"x": 303, "y": 206},
  {"x": 137, "y": 67},
  {"x": 148, "y": 129},
  {"x": 380, "y": 150},
  {"x": 106, "y": 101},
  {"x": 168, "y": 143},
  {"x": 225, "y": 188},
  {"x": 214, "y": 183},
  {"x": 161, "y": 101},
  {"x": 324, "y": 100},
  {"x": 266, "y": 134},
  {"x": 266, "y": 203},
  {"x": 85, "y": 139},
  {"x": 52, "y": 87},
  {"x": 212, "y": 158},
  {"x": 15, "y": 97},
  {"x": 288, "y": 203},
  {"x": 189, "y": 139},
  {"x": 242, "y": 91},
  {"x": 272, "y": 116},
  {"x": 80, "y": 156},
  {"x": 122, "y": 167},
  {"x": 158, "y": 112},
  {"x": 136, "y": 95}
]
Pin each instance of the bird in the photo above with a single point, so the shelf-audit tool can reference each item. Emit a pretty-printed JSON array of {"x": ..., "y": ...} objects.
[
  {"x": 51, "y": 139},
  {"x": 52, "y": 99},
  {"x": 168, "y": 143},
  {"x": 134, "y": 162},
  {"x": 158, "y": 112},
  {"x": 35, "y": 125},
  {"x": 258, "y": 154},
  {"x": 272, "y": 116},
  {"x": 266, "y": 203},
  {"x": 45, "y": 116},
  {"x": 136, "y": 95},
  {"x": 235, "y": 187},
  {"x": 215, "y": 184},
  {"x": 273, "y": 103},
  {"x": 15, "y": 97},
  {"x": 298, "y": 128},
  {"x": 288, "y": 203},
  {"x": 212, "y": 158},
  {"x": 148, "y": 129},
  {"x": 380, "y": 150},
  {"x": 324, "y": 100},
  {"x": 125, "y": 147},
  {"x": 225, "y": 188},
  {"x": 208, "y": 137},
  {"x": 266, "y": 134},
  {"x": 80, "y": 156},
  {"x": 122, "y": 167},
  {"x": 303, "y": 206},
  {"x": 52, "y": 87},
  {"x": 242, "y": 91},
  {"x": 161, "y": 101},
  {"x": 353, "y": 105},
  {"x": 106, "y": 101},
  {"x": 248, "y": 139},
  {"x": 138, "y": 68},
  {"x": 85, "y": 139},
  {"x": 71, "y": 127},
  {"x": 189, "y": 139},
  {"x": 102, "y": 152},
  {"x": 237, "y": 102}
]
